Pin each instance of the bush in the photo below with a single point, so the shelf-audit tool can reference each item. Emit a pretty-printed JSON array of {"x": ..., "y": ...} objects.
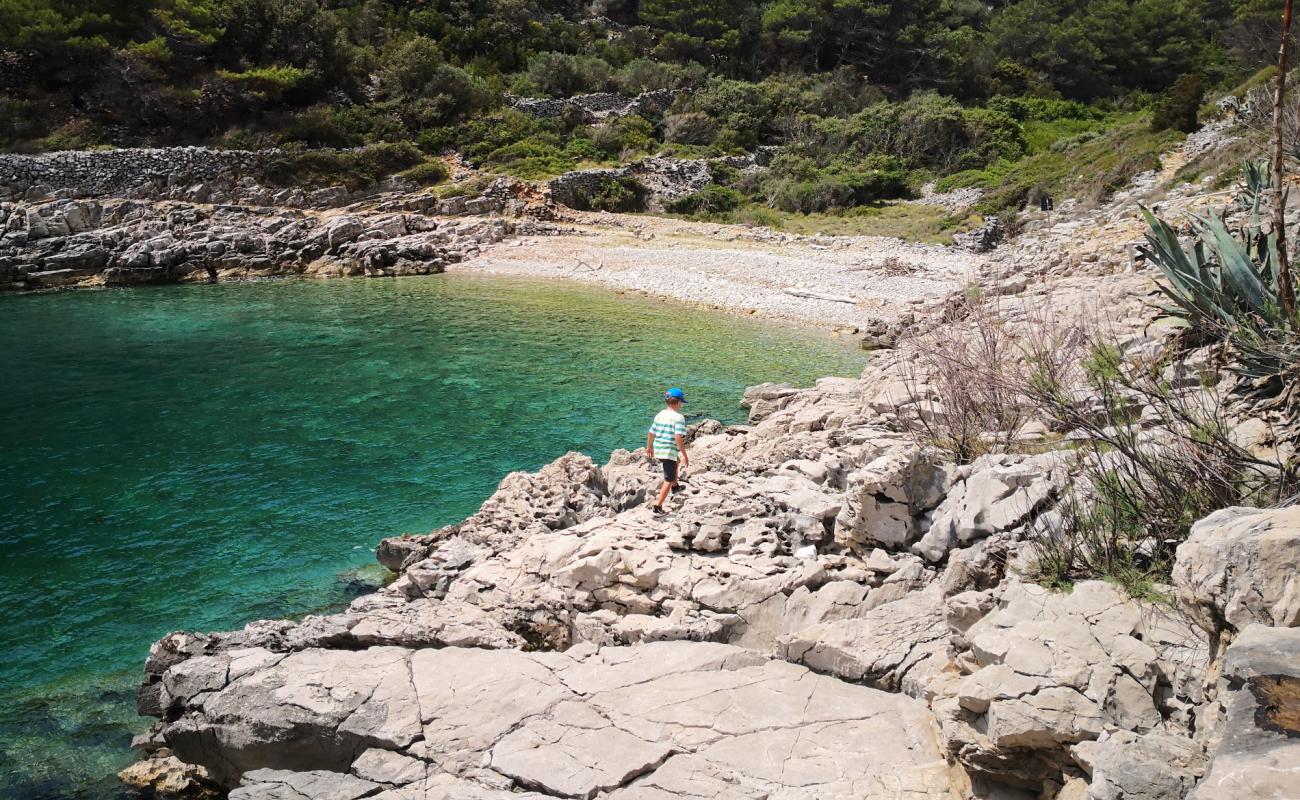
[
  {"x": 712, "y": 199},
  {"x": 155, "y": 51},
  {"x": 428, "y": 174},
  {"x": 583, "y": 149},
  {"x": 479, "y": 137},
  {"x": 1179, "y": 108},
  {"x": 564, "y": 75},
  {"x": 423, "y": 90},
  {"x": 532, "y": 160},
  {"x": 625, "y": 135},
  {"x": 1155, "y": 458},
  {"x": 646, "y": 75},
  {"x": 356, "y": 169},
  {"x": 341, "y": 126},
  {"x": 1152, "y": 456},
  {"x": 796, "y": 183},
  {"x": 79, "y": 134},
  {"x": 747, "y": 113},
  {"x": 690, "y": 128},
  {"x": 620, "y": 194},
  {"x": 271, "y": 82}
]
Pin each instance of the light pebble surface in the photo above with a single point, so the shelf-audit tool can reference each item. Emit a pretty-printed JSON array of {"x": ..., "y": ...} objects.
[{"x": 738, "y": 269}]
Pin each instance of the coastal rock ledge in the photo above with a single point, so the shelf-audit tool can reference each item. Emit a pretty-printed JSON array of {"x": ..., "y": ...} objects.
[{"x": 828, "y": 611}]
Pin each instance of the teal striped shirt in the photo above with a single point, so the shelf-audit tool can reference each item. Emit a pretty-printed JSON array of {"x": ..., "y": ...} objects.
[{"x": 667, "y": 426}]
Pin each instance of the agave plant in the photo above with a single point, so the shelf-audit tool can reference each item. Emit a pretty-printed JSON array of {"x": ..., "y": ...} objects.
[
  {"x": 1222, "y": 281},
  {"x": 1225, "y": 288}
]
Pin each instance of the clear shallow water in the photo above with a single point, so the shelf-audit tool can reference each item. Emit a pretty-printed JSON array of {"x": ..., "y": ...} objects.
[{"x": 196, "y": 457}]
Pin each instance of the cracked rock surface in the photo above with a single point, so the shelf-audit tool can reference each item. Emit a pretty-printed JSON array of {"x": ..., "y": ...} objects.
[{"x": 620, "y": 721}]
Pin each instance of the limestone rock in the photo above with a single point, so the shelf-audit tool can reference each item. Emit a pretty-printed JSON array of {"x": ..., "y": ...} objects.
[
  {"x": 880, "y": 648},
  {"x": 1241, "y": 566},
  {"x": 1151, "y": 766},
  {"x": 630, "y": 721},
  {"x": 884, "y": 500},
  {"x": 1257, "y": 752},
  {"x": 167, "y": 776},
  {"x": 999, "y": 494},
  {"x": 275, "y": 784},
  {"x": 1049, "y": 670}
]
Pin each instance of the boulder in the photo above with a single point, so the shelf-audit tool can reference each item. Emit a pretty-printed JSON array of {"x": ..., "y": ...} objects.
[
  {"x": 997, "y": 494},
  {"x": 897, "y": 641},
  {"x": 164, "y": 775},
  {"x": 1150, "y": 766},
  {"x": 1256, "y": 752},
  {"x": 885, "y": 500},
  {"x": 765, "y": 399},
  {"x": 1049, "y": 670},
  {"x": 1241, "y": 566}
]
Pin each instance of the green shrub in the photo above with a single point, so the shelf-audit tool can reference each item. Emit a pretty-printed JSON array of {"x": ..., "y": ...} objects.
[
  {"x": 747, "y": 113},
  {"x": 690, "y": 128},
  {"x": 477, "y": 138},
  {"x": 417, "y": 85},
  {"x": 583, "y": 149},
  {"x": 270, "y": 82},
  {"x": 340, "y": 126},
  {"x": 645, "y": 75},
  {"x": 1179, "y": 108},
  {"x": 712, "y": 199},
  {"x": 797, "y": 183},
  {"x": 357, "y": 168},
  {"x": 154, "y": 51},
  {"x": 428, "y": 174},
  {"x": 564, "y": 75},
  {"x": 629, "y": 134},
  {"x": 78, "y": 134},
  {"x": 621, "y": 194},
  {"x": 532, "y": 160}
]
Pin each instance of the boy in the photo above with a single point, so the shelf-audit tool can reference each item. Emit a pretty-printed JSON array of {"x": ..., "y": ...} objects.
[{"x": 667, "y": 439}]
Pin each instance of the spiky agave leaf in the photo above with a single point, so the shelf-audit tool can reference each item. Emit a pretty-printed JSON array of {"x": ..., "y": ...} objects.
[{"x": 1192, "y": 284}]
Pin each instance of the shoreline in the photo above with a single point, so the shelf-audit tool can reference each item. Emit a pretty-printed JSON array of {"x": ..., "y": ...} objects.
[{"x": 836, "y": 283}]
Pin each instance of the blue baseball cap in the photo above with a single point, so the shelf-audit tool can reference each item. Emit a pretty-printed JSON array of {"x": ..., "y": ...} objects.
[{"x": 675, "y": 394}]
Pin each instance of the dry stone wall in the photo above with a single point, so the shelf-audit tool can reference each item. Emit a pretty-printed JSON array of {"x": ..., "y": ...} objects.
[{"x": 104, "y": 173}]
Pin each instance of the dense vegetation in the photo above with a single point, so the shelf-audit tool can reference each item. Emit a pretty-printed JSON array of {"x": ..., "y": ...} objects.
[{"x": 868, "y": 97}]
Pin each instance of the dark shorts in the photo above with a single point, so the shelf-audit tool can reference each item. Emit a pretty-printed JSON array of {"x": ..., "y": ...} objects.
[{"x": 670, "y": 469}]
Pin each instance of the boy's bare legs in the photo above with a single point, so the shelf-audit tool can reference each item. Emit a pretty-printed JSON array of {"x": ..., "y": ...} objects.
[{"x": 663, "y": 493}]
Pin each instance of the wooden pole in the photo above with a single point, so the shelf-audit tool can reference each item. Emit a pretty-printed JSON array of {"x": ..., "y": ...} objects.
[{"x": 1285, "y": 288}]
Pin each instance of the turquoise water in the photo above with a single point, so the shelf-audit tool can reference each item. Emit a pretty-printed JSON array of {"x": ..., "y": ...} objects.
[{"x": 196, "y": 457}]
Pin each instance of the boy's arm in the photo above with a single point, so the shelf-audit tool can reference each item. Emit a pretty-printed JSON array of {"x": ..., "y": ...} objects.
[
  {"x": 650, "y": 444},
  {"x": 681, "y": 448}
]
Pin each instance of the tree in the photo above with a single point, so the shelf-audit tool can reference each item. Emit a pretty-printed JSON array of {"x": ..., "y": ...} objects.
[{"x": 1285, "y": 288}]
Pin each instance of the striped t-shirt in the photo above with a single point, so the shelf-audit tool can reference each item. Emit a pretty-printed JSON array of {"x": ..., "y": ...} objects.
[{"x": 667, "y": 426}]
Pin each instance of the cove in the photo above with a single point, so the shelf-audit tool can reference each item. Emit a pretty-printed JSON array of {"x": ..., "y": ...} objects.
[{"x": 194, "y": 457}]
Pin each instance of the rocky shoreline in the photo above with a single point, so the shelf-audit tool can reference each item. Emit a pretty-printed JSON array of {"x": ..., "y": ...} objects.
[
  {"x": 832, "y": 609},
  {"x": 829, "y": 611}
]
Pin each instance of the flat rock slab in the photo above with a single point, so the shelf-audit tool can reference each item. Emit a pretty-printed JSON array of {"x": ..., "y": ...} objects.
[{"x": 666, "y": 719}]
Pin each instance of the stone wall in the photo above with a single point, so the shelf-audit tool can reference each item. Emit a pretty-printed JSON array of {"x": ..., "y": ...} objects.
[
  {"x": 572, "y": 188},
  {"x": 595, "y": 106},
  {"x": 126, "y": 172}
]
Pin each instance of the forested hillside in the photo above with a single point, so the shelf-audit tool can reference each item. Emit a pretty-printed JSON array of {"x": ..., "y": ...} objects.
[{"x": 867, "y": 97}]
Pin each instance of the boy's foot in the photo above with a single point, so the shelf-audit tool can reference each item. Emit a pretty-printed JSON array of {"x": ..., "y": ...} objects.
[
  {"x": 658, "y": 511},
  {"x": 677, "y": 489}
]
